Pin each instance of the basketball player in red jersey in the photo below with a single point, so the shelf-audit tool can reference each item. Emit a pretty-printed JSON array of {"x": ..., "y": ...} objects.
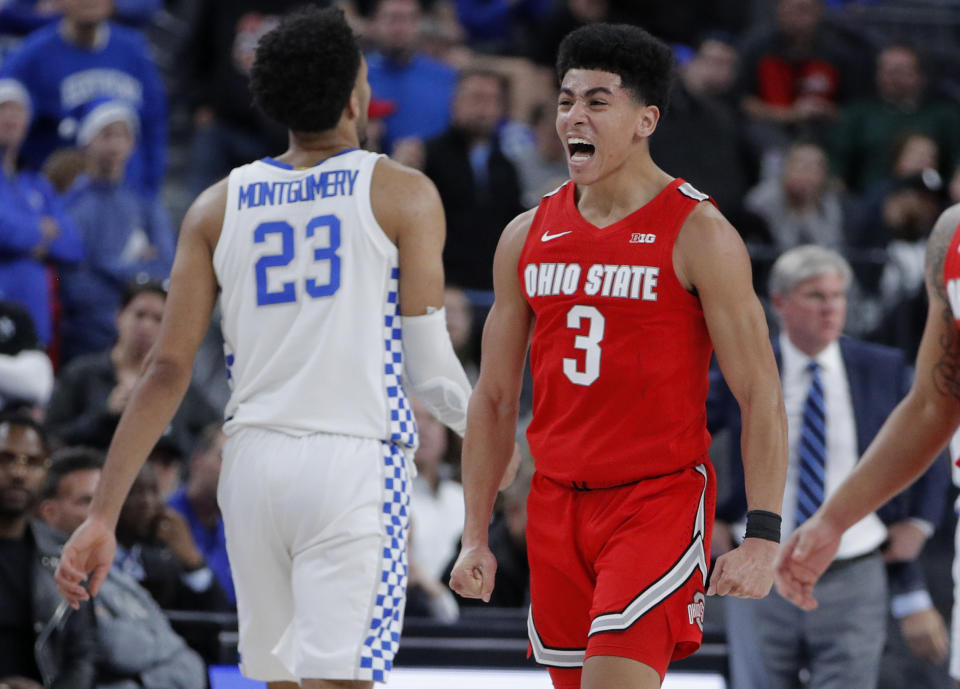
[
  {"x": 912, "y": 437},
  {"x": 628, "y": 278}
]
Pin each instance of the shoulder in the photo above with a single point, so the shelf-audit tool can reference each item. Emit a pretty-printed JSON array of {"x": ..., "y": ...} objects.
[
  {"x": 708, "y": 245},
  {"x": 394, "y": 182},
  {"x": 514, "y": 235},
  {"x": 205, "y": 215},
  {"x": 403, "y": 198},
  {"x": 706, "y": 227}
]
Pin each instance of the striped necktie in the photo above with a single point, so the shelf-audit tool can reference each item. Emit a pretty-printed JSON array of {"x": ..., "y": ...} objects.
[{"x": 812, "y": 449}]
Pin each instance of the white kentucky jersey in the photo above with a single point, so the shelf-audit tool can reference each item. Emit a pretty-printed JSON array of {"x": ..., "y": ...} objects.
[{"x": 311, "y": 324}]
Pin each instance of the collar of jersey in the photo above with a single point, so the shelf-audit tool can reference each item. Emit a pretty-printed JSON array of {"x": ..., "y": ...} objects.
[{"x": 287, "y": 166}]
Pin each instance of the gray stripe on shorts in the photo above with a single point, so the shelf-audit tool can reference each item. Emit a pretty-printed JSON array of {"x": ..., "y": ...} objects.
[
  {"x": 554, "y": 657},
  {"x": 694, "y": 558}
]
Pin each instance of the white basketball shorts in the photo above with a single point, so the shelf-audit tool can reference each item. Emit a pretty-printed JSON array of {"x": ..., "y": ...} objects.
[{"x": 317, "y": 538}]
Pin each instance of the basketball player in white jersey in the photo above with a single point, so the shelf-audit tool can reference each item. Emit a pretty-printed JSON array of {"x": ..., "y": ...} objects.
[{"x": 328, "y": 264}]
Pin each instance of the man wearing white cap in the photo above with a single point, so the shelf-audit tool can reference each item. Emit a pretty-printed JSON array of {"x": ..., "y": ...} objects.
[
  {"x": 128, "y": 234},
  {"x": 34, "y": 229}
]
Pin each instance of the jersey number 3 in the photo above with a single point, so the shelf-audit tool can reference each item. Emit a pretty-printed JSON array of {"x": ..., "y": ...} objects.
[
  {"x": 589, "y": 343},
  {"x": 288, "y": 290}
]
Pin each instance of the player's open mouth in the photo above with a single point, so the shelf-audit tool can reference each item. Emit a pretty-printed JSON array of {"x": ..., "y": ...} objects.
[{"x": 580, "y": 149}]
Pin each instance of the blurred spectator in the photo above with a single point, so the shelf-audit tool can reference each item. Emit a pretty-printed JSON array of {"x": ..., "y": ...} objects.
[
  {"x": 136, "y": 645},
  {"x": 906, "y": 215},
  {"x": 542, "y": 166},
  {"x": 197, "y": 502},
  {"x": 953, "y": 186},
  {"x": 26, "y": 373},
  {"x": 93, "y": 390},
  {"x": 79, "y": 59},
  {"x": 33, "y": 226},
  {"x": 20, "y": 17},
  {"x": 419, "y": 86},
  {"x": 913, "y": 152},
  {"x": 43, "y": 642},
  {"x": 461, "y": 330},
  {"x": 566, "y": 16},
  {"x": 699, "y": 119},
  {"x": 169, "y": 464},
  {"x": 861, "y": 141},
  {"x": 155, "y": 547},
  {"x": 127, "y": 234},
  {"x": 801, "y": 206},
  {"x": 218, "y": 54},
  {"x": 376, "y": 111},
  {"x": 682, "y": 21},
  {"x": 793, "y": 77},
  {"x": 437, "y": 502},
  {"x": 437, "y": 514},
  {"x": 501, "y": 27},
  {"x": 478, "y": 184}
]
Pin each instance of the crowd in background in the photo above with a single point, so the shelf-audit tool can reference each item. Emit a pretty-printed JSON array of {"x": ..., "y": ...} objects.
[{"x": 808, "y": 121}]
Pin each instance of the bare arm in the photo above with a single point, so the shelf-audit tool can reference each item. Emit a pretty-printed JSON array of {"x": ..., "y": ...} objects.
[
  {"x": 408, "y": 208},
  {"x": 158, "y": 392},
  {"x": 711, "y": 259},
  {"x": 492, "y": 415},
  {"x": 921, "y": 425},
  {"x": 169, "y": 366}
]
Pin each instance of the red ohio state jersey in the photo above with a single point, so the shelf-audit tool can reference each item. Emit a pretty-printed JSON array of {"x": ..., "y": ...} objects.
[{"x": 620, "y": 349}]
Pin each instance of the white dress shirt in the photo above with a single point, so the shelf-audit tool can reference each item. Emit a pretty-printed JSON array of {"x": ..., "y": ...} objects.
[{"x": 842, "y": 452}]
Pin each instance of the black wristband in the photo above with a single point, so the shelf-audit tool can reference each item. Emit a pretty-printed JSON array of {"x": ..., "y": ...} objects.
[{"x": 763, "y": 524}]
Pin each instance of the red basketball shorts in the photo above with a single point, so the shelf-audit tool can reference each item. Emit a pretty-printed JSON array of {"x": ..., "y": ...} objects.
[{"x": 618, "y": 571}]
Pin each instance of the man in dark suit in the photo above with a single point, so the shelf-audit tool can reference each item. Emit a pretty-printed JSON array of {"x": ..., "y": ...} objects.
[
  {"x": 479, "y": 185},
  {"x": 837, "y": 393}
]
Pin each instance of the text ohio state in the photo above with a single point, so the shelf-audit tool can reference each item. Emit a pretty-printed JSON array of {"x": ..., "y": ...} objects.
[{"x": 600, "y": 279}]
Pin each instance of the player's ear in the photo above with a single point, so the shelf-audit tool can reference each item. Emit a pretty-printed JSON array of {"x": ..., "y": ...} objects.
[
  {"x": 647, "y": 120},
  {"x": 353, "y": 105}
]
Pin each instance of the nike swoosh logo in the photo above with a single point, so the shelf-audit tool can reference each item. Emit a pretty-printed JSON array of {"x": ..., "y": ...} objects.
[{"x": 547, "y": 236}]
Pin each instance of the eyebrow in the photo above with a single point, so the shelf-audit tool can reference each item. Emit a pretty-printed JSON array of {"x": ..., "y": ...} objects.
[{"x": 588, "y": 92}]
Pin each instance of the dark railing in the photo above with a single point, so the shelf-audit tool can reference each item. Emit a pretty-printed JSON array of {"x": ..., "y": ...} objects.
[{"x": 482, "y": 637}]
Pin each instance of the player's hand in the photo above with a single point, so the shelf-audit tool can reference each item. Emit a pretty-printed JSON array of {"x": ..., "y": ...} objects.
[
  {"x": 804, "y": 557},
  {"x": 926, "y": 635},
  {"x": 511, "y": 471},
  {"x": 174, "y": 532},
  {"x": 473, "y": 573},
  {"x": 87, "y": 556},
  {"x": 905, "y": 540},
  {"x": 746, "y": 571}
]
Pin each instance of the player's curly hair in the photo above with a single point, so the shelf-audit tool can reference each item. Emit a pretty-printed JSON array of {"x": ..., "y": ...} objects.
[
  {"x": 644, "y": 63},
  {"x": 305, "y": 69}
]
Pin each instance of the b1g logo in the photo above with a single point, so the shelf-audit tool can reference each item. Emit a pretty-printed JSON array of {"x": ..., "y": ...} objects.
[
  {"x": 695, "y": 609},
  {"x": 641, "y": 238}
]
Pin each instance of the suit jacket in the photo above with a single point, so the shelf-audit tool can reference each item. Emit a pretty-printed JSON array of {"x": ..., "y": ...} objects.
[
  {"x": 475, "y": 213},
  {"x": 879, "y": 378}
]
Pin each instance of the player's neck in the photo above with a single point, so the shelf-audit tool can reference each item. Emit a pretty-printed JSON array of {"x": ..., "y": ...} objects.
[
  {"x": 622, "y": 192},
  {"x": 306, "y": 150}
]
